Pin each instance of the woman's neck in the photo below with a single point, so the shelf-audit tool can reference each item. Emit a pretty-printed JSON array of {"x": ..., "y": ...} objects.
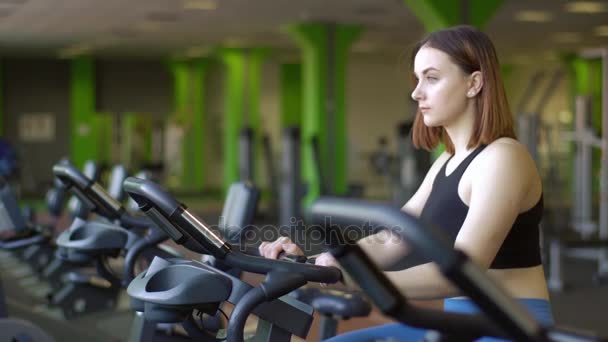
[{"x": 460, "y": 131}]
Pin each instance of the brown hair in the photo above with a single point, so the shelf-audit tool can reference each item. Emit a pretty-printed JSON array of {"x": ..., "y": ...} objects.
[{"x": 472, "y": 51}]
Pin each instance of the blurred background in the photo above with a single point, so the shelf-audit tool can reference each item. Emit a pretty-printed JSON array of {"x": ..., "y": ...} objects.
[
  {"x": 131, "y": 82},
  {"x": 203, "y": 93}
]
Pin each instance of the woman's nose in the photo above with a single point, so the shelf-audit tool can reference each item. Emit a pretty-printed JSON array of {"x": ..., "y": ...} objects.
[{"x": 416, "y": 93}]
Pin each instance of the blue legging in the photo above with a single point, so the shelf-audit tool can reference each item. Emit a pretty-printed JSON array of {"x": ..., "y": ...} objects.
[{"x": 395, "y": 332}]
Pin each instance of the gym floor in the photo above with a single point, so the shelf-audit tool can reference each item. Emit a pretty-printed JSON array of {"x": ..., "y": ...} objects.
[{"x": 582, "y": 305}]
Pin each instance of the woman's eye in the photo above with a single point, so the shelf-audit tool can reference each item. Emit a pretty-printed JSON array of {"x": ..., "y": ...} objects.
[{"x": 431, "y": 78}]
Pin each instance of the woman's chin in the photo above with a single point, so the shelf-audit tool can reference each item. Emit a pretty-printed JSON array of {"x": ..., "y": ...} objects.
[{"x": 429, "y": 122}]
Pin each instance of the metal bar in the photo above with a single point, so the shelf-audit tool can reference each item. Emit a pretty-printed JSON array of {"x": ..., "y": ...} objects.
[
  {"x": 550, "y": 90},
  {"x": 529, "y": 92},
  {"x": 331, "y": 107},
  {"x": 603, "y": 221},
  {"x": 603, "y": 210}
]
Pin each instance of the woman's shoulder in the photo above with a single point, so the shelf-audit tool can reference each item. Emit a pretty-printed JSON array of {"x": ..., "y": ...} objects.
[
  {"x": 507, "y": 146},
  {"x": 510, "y": 154}
]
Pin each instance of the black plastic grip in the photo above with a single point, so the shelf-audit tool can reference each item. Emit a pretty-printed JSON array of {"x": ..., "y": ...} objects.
[
  {"x": 146, "y": 193},
  {"x": 71, "y": 176},
  {"x": 427, "y": 242},
  {"x": 254, "y": 251}
]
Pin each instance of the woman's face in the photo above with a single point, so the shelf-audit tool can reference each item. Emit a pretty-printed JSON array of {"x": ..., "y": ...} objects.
[{"x": 442, "y": 87}]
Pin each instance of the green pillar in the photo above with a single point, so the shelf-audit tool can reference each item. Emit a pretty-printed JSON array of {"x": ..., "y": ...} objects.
[
  {"x": 439, "y": 14},
  {"x": 242, "y": 105},
  {"x": 324, "y": 60},
  {"x": 181, "y": 90},
  {"x": 595, "y": 67},
  {"x": 254, "y": 73},
  {"x": 234, "y": 104},
  {"x": 83, "y": 142},
  {"x": 595, "y": 92},
  {"x": 579, "y": 73},
  {"x": 291, "y": 94},
  {"x": 197, "y": 134},
  {"x": 189, "y": 107}
]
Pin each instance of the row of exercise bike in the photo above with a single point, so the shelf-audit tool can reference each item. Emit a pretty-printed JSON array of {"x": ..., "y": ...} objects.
[{"x": 169, "y": 291}]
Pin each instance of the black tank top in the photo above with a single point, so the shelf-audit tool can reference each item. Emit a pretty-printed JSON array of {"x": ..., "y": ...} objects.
[{"x": 445, "y": 210}]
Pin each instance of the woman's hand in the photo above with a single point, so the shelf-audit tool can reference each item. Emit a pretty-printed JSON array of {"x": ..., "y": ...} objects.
[
  {"x": 271, "y": 250},
  {"x": 326, "y": 259}
]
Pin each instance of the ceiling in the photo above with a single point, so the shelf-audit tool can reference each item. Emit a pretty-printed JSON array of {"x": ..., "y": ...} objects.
[{"x": 153, "y": 28}]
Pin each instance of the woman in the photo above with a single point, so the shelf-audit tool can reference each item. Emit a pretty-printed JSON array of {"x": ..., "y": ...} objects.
[{"x": 484, "y": 191}]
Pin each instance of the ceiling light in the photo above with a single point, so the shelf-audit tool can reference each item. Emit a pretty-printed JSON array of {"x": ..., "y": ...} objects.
[
  {"x": 304, "y": 15},
  {"x": 586, "y": 7},
  {"x": 200, "y": 5},
  {"x": 234, "y": 42},
  {"x": 13, "y": 2},
  {"x": 551, "y": 56},
  {"x": 148, "y": 26},
  {"x": 364, "y": 47},
  {"x": 161, "y": 16},
  {"x": 533, "y": 16},
  {"x": 122, "y": 32},
  {"x": 601, "y": 31},
  {"x": 567, "y": 37},
  {"x": 592, "y": 53},
  {"x": 521, "y": 59},
  {"x": 197, "y": 51},
  {"x": 75, "y": 50}
]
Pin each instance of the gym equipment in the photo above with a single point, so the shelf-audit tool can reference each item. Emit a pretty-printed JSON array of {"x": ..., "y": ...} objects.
[
  {"x": 529, "y": 124},
  {"x": 40, "y": 255},
  {"x": 290, "y": 189},
  {"x": 13, "y": 228},
  {"x": 502, "y": 317},
  {"x": 94, "y": 242},
  {"x": 18, "y": 330},
  {"x": 412, "y": 165},
  {"x": 19, "y": 233},
  {"x": 238, "y": 213},
  {"x": 12, "y": 329},
  {"x": 57, "y": 268},
  {"x": 279, "y": 318},
  {"x": 287, "y": 190},
  {"x": 331, "y": 304},
  {"x": 273, "y": 182},
  {"x": 75, "y": 207},
  {"x": 141, "y": 142},
  {"x": 593, "y": 235},
  {"x": 246, "y": 154}
]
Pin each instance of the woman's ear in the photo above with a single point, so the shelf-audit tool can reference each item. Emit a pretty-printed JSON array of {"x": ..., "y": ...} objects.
[{"x": 475, "y": 84}]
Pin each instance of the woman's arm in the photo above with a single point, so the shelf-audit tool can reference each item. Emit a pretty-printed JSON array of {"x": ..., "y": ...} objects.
[{"x": 500, "y": 190}]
